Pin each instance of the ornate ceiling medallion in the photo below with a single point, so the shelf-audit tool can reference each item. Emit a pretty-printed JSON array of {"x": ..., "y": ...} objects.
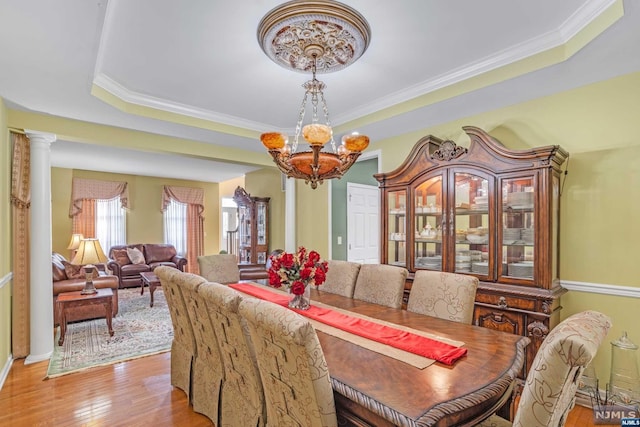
[{"x": 295, "y": 32}]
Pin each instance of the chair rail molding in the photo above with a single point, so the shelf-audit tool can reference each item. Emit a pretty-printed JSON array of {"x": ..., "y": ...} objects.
[
  {"x": 601, "y": 288},
  {"x": 6, "y": 279}
]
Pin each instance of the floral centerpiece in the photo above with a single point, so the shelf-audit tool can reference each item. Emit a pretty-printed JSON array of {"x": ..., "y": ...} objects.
[{"x": 296, "y": 271}]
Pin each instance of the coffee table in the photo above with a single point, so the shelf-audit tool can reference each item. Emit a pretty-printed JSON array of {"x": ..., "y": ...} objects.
[
  {"x": 150, "y": 279},
  {"x": 68, "y": 300}
]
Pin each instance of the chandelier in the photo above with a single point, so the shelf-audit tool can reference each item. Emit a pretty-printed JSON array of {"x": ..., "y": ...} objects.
[{"x": 316, "y": 37}]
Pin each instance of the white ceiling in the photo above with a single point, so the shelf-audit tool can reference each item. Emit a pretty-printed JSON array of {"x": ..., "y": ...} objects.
[{"x": 199, "y": 63}]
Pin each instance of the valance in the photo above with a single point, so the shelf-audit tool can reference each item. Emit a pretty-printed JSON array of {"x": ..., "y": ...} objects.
[
  {"x": 188, "y": 195},
  {"x": 96, "y": 189}
]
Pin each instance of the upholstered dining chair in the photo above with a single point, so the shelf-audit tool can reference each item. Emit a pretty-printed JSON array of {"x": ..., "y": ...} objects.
[
  {"x": 183, "y": 346},
  {"x": 341, "y": 278},
  {"x": 242, "y": 398},
  {"x": 208, "y": 371},
  {"x": 294, "y": 372},
  {"x": 381, "y": 284},
  {"x": 549, "y": 390},
  {"x": 219, "y": 268},
  {"x": 444, "y": 295}
]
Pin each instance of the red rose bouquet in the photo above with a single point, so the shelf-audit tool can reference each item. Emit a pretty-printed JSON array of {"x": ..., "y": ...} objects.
[{"x": 296, "y": 271}]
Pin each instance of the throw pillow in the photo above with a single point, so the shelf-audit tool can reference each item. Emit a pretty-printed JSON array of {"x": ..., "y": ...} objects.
[
  {"x": 136, "y": 256},
  {"x": 120, "y": 256},
  {"x": 74, "y": 271}
]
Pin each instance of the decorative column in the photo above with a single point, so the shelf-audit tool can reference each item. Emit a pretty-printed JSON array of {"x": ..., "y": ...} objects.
[{"x": 41, "y": 296}]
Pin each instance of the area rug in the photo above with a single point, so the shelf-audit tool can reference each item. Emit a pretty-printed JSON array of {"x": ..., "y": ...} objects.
[{"x": 139, "y": 330}]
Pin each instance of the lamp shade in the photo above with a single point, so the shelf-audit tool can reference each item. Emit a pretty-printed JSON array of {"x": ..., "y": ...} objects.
[
  {"x": 89, "y": 252},
  {"x": 75, "y": 241}
]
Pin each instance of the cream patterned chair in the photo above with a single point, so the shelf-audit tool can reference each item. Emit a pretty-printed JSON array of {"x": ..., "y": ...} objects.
[
  {"x": 183, "y": 346},
  {"x": 444, "y": 295},
  {"x": 208, "y": 372},
  {"x": 381, "y": 284},
  {"x": 294, "y": 372},
  {"x": 341, "y": 278},
  {"x": 242, "y": 399},
  {"x": 550, "y": 388},
  {"x": 219, "y": 268}
]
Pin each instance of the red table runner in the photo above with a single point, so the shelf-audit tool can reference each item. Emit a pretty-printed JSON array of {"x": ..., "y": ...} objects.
[{"x": 403, "y": 340}]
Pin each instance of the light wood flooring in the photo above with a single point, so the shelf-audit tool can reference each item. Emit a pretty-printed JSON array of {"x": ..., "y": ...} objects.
[{"x": 134, "y": 393}]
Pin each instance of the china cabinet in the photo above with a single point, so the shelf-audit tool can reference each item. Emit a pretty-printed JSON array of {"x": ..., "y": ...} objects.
[
  {"x": 486, "y": 211},
  {"x": 253, "y": 228}
]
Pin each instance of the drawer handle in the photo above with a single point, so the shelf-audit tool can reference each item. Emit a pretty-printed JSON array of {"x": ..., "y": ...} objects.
[{"x": 502, "y": 303}]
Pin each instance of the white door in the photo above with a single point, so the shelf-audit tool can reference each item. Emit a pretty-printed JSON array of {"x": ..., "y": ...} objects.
[{"x": 363, "y": 223}]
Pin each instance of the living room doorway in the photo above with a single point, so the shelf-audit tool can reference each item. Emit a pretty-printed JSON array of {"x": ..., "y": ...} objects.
[{"x": 229, "y": 232}]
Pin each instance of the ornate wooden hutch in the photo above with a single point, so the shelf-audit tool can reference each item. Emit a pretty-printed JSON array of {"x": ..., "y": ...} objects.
[
  {"x": 253, "y": 229},
  {"x": 486, "y": 211}
]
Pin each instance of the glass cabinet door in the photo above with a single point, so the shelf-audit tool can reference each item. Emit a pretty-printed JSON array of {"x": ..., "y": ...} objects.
[
  {"x": 469, "y": 221},
  {"x": 261, "y": 219},
  {"x": 518, "y": 233},
  {"x": 244, "y": 234},
  {"x": 396, "y": 247},
  {"x": 428, "y": 205}
]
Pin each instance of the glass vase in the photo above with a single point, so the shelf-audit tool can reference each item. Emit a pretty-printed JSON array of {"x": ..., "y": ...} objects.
[{"x": 301, "y": 302}]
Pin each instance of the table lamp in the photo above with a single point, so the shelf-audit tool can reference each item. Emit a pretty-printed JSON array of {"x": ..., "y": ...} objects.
[
  {"x": 89, "y": 253},
  {"x": 74, "y": 243}
]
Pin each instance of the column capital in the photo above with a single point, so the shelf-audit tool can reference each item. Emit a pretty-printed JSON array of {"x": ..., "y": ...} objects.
[{"x": 37, "y": 136}]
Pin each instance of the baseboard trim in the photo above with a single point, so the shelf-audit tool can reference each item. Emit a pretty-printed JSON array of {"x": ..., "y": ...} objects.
[
  {"x": 5, "y": 370},
  {"x": 601, "y": 288}
]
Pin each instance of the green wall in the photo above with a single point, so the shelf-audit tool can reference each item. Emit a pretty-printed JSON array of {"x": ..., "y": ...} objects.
[
  {"x": 360, "y": 173},
  {"x": 144, "y": 218},
  {"x": 5, "y": 243}
]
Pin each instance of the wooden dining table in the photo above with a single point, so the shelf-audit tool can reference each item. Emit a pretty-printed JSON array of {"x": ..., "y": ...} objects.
[{"x": 372, "y": 389}]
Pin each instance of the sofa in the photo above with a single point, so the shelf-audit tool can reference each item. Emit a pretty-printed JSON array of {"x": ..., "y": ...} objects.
[
  {"x": 61, "y": 270},
  {"x": 152, "y": 255}
]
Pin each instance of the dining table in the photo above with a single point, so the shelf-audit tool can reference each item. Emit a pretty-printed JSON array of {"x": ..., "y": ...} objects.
[{"x": 372, "y": 388}]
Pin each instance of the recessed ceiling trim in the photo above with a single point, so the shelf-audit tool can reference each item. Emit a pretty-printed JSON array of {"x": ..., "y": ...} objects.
[
  {"x": 130, "y": 97},
  {"x": 536, "y": 46},
  {"x": 588, "y": 13}
]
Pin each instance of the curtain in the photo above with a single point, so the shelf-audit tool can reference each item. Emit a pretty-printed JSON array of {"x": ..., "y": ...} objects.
[
  {"x": 20, "y": 204},
  {"x": 194, "y": 198},
  {"x": 83, "y": 189},
  {"x": 84, "y": 222},
  {"x": 111, "y": 227},
  {"x": 175, "y": 226}
]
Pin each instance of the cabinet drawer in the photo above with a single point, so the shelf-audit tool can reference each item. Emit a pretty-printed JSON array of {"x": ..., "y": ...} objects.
[
  {"x": 506, "y": 301},
  {"x": 499, "y": 320}
]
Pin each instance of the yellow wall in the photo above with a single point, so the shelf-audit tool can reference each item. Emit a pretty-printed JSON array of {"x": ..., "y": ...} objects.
[
  {"x": 144, "y": 218},
  {"x": 5, "y": 240},
  {"x": 312, "y": 217},
  {"x": 267, "y": 183}
]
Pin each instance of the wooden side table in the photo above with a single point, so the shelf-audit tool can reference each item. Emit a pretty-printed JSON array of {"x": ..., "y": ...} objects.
[
  {"x": 68, "y": 300},
  {"x": 150, "y": 279}
]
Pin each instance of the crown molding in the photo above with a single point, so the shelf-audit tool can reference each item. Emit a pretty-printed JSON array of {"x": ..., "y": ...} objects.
[
  {"x": 535, "y": 46},
  {"x": 134, "y": 98},
  {"x": 577, "y": 22}
]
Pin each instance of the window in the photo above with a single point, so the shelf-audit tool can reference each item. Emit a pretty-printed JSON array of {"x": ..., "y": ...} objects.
[
  {"x": 111, "y": 225},
  {"x": 175, "y": 226}
]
